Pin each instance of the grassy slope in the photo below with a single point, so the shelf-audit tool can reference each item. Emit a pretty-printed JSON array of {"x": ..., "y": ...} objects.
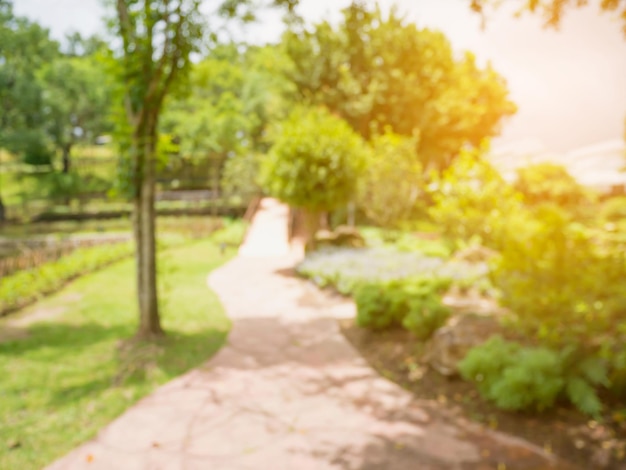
[{"x": 70, "y": 376}]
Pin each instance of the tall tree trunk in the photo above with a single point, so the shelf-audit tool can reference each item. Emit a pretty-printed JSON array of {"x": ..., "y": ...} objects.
[
  {"x": 2, "y": 211},
  {"x": 311, "y": 221},
  {"x": 144, "y": 233},
  {"x": 67, "y": 148}
]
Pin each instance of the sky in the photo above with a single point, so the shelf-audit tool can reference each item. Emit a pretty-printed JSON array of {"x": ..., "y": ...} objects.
[{"x": 569, "y": 85}]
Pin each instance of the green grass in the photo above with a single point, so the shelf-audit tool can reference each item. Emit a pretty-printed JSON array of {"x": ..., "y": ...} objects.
[{"x": 76, "y": 371}]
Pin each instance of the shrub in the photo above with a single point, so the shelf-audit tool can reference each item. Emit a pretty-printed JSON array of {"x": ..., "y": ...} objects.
[
  {"x": 472, "y": 201},
  {"x": 549, "y": 182},
  {"x": 379, "y": 305},
  {"x": 614, "y": 210},
  {"x": 426, "y": 312},
  {"x": 414, "y": 304},
  {"x": 516, "y": 377},
  {"x": 562, "y": 289},
  {"x": 315, "y": 161},
  {"x": 72, "y": 185},
  {"x": 24, "y": 287}
]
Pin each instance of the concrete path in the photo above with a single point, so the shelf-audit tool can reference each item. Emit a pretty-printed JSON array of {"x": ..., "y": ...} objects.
[{"x": 289, "y": 392}]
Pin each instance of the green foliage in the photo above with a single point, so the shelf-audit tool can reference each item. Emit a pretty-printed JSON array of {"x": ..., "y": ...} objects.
[
  {"x": 72, "y": 185},
  {"x": 613, "y": 210},
  {"x": 315, "y": 161},
  {"x": 518, "y": 378},
  {"x": 540, "y": 277},
  {"x": 24, "y": 287},
  {"x": 379, "y": 305},
  {"x": 24, "y": 47},
  {"x": 240, "y": 176},
  {"x": 77, "y": 95},
  {"x": 32, "y": 145},
  {"x": 473, "y": 202},
  {"x": 393, "y": 181},
  {"x": 413, "y": 303},
  {"x": 378, "y": 71},
  {"x": 551, "y": 183}
]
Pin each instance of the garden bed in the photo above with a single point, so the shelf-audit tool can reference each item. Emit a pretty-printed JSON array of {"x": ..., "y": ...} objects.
[{"x": 396, "y": 355}]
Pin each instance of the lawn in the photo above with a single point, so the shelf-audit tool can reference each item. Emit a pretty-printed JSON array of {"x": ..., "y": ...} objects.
[{"x": 73, "y": 371}]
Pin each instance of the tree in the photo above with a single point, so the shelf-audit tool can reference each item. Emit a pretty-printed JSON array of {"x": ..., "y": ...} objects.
[
  {"x": 231, "y": 98},
  {"x": 314, "y": 164},
  {"x": 157, "y": 39},
  {"x": 77, "y": 97},
  {"x": 553, "y": 11},
  {"x": 24, "y": 48},
  {"x": 378, "y": 72},
  {"x": 393, "y": 181}
]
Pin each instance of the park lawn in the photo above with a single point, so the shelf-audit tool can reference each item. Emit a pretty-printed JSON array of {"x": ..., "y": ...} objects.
[{"x": 77, "y": 370}]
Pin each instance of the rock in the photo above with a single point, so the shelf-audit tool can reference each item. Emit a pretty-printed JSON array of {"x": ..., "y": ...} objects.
[
  {"x": 451, "y": 343},
  {"x": 343, "y": 236}
]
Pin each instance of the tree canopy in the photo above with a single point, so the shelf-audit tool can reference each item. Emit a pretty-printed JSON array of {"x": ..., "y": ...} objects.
[
  {"x": 315, "y": 161},
  {"x": 378, "y": 71},
  {"x": 24, "y": 47}
]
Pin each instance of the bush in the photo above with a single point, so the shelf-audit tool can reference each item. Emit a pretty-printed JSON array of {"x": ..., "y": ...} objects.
[
  {"x": 414, "y": 304},
  {"x": 472, "y": 202},
  {"x": 24, "y": 287},
  {"x": 426, "y": 312},
  {"x": 379, "y": 305},
  {"x": 315, "y": 162},
  {"x": 549, "y": 182},
  {"x": 562, "y": 289},
  {"x": 517, "y": 378},
  {"x": 72, "y": 185},
  {"x": 614, "y": 210}
]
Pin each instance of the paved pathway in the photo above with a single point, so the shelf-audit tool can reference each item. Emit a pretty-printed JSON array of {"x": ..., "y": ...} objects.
[{"x": 289, "y": 392}]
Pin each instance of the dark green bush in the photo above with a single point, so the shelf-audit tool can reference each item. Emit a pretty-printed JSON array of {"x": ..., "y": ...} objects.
[
  {"x": 414, "y": 304},
  {"x": 72, "y": 185},
  {"x": 516, "y": 377}
]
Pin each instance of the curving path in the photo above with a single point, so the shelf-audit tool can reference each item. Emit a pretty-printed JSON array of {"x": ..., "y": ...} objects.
[{"x": 289, "y": 392}]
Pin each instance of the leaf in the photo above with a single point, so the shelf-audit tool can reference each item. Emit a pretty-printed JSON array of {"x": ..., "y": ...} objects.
[
  {"x": 583, "y": 396},
  {"x": 595, "y": 370}
]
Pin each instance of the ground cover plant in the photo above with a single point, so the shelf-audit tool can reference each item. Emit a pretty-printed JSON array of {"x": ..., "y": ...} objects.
[
  {"x": 68, "y": 374},
  {"x": 346, "y": 268},
  {"x": 24, "y": 287}
]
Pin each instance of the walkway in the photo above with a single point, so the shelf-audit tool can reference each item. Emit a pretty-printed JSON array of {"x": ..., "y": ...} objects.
[{"x": 288, "y": 392}]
